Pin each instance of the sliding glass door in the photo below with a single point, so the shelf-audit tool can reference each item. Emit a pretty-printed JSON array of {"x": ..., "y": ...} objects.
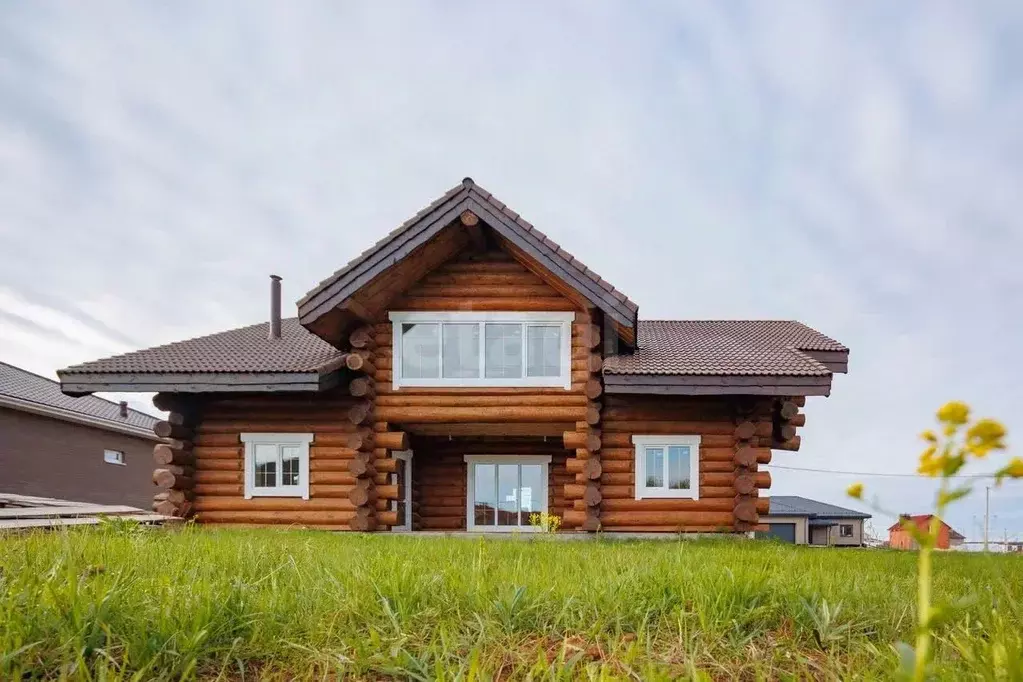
[{"x": 503, "y": 490}]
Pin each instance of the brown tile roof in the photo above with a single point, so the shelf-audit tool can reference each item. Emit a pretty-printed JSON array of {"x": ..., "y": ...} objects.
[
  {"x": 246, "y": 349},
  {"x": 724, "y": 347},
  {"x": 554, "y": 246},
  {"x": 28, "y": 388},
  {"x": 462, "y": 195}
]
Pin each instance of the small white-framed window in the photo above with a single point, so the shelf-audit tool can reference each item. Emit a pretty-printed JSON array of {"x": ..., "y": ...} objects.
[
  {"x": 113, "y": 457},
  {"x": 667, "y": 467},
  {"x": 481, "y": 348},
  {"x": 277, "y": 464},
  {"x": 503, "y": 491},
  {"x": 845, "y": 530}
]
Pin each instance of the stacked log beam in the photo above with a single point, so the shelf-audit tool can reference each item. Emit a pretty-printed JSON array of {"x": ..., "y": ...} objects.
[
  {"x": 785, "y": 420},
  {"x": 585, "y": 442},
  {"x": 754, "y": 425},
  {"x": 174, "y": 473},
  {"x": 362, "y": 440}
]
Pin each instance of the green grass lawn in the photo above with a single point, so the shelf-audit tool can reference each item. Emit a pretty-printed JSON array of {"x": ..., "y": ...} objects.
[{"x": 125, "y": 603}]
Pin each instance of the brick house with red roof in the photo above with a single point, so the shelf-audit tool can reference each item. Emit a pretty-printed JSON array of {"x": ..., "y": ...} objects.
[
  {"x": 899, "y": 537},
  {"x": 468, "y": 373}
]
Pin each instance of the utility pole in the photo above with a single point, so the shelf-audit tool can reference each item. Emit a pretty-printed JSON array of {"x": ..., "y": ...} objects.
[{"x": 987, "y": 513}]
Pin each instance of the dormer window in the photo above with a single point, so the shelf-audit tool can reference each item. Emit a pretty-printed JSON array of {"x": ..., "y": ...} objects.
[{"x": 470, "y": 348}]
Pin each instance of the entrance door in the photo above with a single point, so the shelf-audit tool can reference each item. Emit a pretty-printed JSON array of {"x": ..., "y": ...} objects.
[
  {"x": 504, "y": 490},
  {"x": 403, "y": 479}
]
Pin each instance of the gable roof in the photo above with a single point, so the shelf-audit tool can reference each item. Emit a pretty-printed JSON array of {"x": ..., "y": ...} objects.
[
  {"x": 922, "y": 521},
  {"x": 28, "y": 392},
  {"x": 793, "y": 505},
  {"x": 696, "y": 356},
  {"x": 687, "y": 357},
  {"x": 237, "y": 359},
  {"x": 427, "y": 223}
]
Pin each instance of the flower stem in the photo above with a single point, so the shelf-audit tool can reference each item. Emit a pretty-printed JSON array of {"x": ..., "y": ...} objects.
[
  {"x": 923, "y": 589},
  {"x": 923, "y": 605}
]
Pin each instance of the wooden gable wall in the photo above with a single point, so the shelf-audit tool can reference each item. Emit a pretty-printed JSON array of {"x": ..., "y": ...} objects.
[{"x": 488, "y": 281}]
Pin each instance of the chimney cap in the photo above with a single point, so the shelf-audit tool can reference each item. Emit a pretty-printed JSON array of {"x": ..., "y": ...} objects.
[{"x": 276, "y": 277}]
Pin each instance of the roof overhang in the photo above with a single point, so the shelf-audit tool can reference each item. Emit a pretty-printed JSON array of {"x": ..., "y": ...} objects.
[
  {"x": 200, "y": 382},
  {"x": 698, "y": 384},
  {"x": 337, "y": 291},
  {"x": 76, "y": 417}
]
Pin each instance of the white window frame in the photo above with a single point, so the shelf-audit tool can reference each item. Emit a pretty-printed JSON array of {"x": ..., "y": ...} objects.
[
  {"x": 852, "y": 530},
  {"x": 470, "y": 496},
  {"x": 302, "y": 440},
  {"x": 114, "y": 457},
  {"x": 564, "y": 319},
  {"x": 643, "y": 492}
]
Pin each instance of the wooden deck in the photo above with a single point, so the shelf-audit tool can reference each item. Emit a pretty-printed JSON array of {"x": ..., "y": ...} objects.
[{"x": 21, "y": 512}]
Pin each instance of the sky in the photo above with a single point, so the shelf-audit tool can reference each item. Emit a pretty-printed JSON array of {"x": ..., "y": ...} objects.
[{"x": 855, "y": 166}]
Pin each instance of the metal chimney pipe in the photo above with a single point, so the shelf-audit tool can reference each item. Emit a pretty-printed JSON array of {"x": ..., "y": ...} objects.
[
  {"x": 275, "y": 307},
  {"x": 123, "y": 409}
]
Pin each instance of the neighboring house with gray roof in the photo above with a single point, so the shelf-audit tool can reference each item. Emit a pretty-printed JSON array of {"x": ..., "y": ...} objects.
[
  {"x": 85, "y": 449},
  {"x": 514, "y": 377},
  {"x": 803, "y": 521}
]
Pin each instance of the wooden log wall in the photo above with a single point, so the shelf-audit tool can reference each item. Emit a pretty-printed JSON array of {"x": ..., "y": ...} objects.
[
  {"x": 174, "y": 459},
  {"x": 490, "y": 280},
  {"x": 714, "y": 420},
  {"x": 439, "y": 475},
  {"x": 584, "y": 442},
  {"x": 219, "y": 459}
]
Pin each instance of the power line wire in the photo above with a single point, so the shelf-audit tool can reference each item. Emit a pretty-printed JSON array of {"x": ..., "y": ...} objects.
[{"x": 869, "y": 473}]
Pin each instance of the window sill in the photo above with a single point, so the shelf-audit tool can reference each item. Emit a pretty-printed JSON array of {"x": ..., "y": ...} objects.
[
  {"x": 647, "y": 494},
  {"x": 276, "y": 493}
]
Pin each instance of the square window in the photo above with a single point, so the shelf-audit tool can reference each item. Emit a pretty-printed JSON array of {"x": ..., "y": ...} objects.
[
  {"x": 113, "y": 457},
  {"x": 277, "y": 464},
  {"x": 845, "y": 530},
  {"x": 667, "y": 467}
]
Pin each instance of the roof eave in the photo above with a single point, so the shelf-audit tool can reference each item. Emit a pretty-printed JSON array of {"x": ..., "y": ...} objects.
[
  {"x": 76, "y": 417},
  {"x": 325, "y": 297},
  {"x": 693, "y": 384},
  {"x": 199, "y": 382},
  {"x": 589, "y": 289}
]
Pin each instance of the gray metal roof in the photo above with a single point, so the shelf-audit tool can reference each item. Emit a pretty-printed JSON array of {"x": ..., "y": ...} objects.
[
  {"x": 793, "y": 505},
  {"x": 21, "y": 389}
]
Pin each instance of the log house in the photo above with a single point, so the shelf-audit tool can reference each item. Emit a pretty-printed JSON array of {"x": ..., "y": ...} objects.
[{"x": 465, "y": 374}]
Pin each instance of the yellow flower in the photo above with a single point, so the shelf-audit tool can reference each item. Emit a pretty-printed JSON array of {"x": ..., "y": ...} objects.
[
  {"x": 929, "y": 464},
  {"x": 1015, "y": 468},
  {"x": 855, "y": 490},
  {"x": 984, "y": 436},
  {"x": 929, "y": 436},
  {"x": 955, "y": 413}
]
